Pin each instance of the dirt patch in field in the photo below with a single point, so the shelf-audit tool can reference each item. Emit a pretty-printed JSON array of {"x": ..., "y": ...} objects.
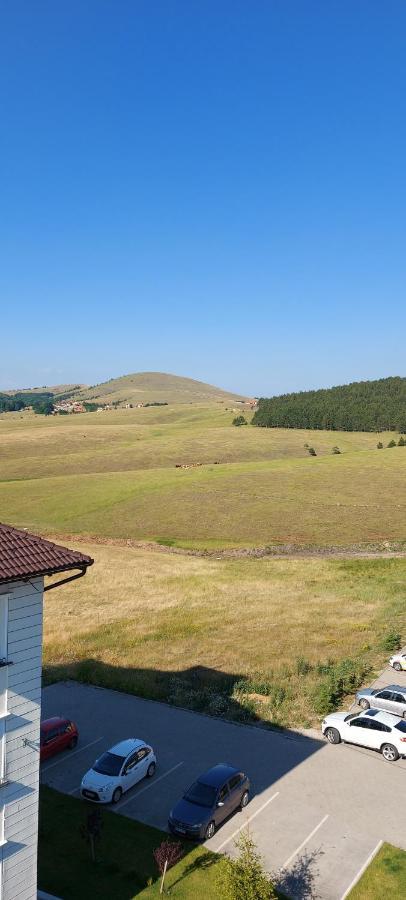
[{"x": 385, "y": 549}]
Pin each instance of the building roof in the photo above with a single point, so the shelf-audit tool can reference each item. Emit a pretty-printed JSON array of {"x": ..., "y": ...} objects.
[{"x": 24, "y": 555}]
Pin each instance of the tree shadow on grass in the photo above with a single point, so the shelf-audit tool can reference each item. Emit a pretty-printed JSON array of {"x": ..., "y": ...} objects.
[{"x": 205, "y": 861}]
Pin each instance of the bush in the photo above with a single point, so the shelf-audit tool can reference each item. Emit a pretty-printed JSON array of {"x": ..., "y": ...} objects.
[
  {"x": 336, "y": 450},
  {"x": 244, "y": 878},
  {"x": 401, "y": 442},
  {"x": 341, "y": 678},
  {"x": 391, "y": 641},
  {"x": 240, "y": 420},
  {"x": 312, "y": 451},
  {"x": 380, "y": 445},
  {"x": 303, "y": 666},
  {"x": 392, "y": 443}
]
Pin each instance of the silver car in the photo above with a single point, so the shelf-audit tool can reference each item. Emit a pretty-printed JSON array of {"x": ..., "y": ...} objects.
[{"x": 391, "y": 698}]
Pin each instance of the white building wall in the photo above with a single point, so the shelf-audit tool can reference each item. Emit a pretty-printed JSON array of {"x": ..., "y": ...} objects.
[{"x": 19, "y": 795}]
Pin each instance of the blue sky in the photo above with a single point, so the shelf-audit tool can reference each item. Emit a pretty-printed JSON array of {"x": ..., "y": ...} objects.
[{"x": 215, "y": 189}]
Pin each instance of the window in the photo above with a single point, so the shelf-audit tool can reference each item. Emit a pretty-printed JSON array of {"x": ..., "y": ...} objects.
[
  {"x": 142, "y": 753},
  {"x": 384, "y": 695},
  {"x": 399, "y": 698},
  {"x": 50, "y": 736},
  {"x": 222, "y": 794},
  {"x": 378, "y": 726},
  {"x": 234, "y": 781},
  {"x": 401, "y": 726},
  {"x": 201, "y": 794},
  {"x": 131, "y": 762},
  {"x": 360, "y": 723}
]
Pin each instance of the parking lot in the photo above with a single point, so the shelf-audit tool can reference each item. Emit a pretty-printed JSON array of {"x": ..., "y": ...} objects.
[{"x": 317, "y": 812}]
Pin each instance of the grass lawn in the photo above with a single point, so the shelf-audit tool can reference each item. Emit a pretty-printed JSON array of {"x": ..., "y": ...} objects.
[
  {"x": 114, "y": 474},
  {"x": 187, "y": 628},
  {"x": 384, "y": 878},
  {"x": 125, "y": 861}
]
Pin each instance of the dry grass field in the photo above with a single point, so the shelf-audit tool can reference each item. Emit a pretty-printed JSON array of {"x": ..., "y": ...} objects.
[{"x": 193, "y": 630}]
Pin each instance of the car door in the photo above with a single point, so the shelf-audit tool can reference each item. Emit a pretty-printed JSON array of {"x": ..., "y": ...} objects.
[
  {"x": 223, "y": 797},
  {"x": 398, "y": 703},
  {"x": 380, "y": 732},
  {"x": 50, "y": 745},
  {"x": 382, "y": 700},
  {"x": 235, "y": 791},
  {"x": 135, "y": 768},
  {"x": 360, "y": 733},
  {"x": 129, "y": 772}
]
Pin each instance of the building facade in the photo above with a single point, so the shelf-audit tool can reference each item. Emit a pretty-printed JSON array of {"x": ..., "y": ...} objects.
[{"x": 25, "y": 562}]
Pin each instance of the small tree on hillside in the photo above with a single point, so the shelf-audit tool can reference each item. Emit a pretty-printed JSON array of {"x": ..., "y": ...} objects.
[
  {"x": 240, "y": 420},
  {"x": 336, "y": 450},
  {"x": 312, "y": 451},
  {"x": 244, "y": 878},
  {"x": 401, "y": 442},
  {"x": 392, "y": 443},
  {"x": 380, "y": 445}
]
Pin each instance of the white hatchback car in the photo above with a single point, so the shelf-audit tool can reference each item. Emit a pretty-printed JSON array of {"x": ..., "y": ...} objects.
[
  {"x": 398, "y": 662},
  {"x": 117, "y": 770},
  {"x": 373, "y": 728}
]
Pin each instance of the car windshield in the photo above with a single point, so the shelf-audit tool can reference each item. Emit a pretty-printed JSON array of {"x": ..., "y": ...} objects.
[
  {"x": 351, "y": 716},
  {"x": 109, "y": 764},
  {"x": 201, "y": 794},
  {"x": 401, "y": 726}
]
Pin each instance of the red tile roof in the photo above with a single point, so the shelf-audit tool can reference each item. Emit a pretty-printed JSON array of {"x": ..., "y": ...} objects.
[{"x": 24, "y": 555}]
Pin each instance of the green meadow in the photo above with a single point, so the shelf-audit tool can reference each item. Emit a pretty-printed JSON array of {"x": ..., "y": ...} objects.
[{"x": 114, "y": 474}]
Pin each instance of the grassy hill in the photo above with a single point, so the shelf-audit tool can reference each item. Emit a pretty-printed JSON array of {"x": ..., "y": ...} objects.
[
  {"x": 114, "y": 474},
  {"x": 147, "y": 387}
]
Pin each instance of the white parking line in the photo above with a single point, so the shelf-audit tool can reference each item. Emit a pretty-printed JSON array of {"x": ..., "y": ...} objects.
[
  {"x": 303, "y": 844},
  {"x": 362, "y": 870},
  {"x": 244, "y": 824},
  {"x": 147, "y": 787},
  {"x": 71, "y": 753}
]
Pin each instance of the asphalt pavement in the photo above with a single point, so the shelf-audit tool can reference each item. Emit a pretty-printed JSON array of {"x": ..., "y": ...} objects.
[{"x": 317, "y": 812}]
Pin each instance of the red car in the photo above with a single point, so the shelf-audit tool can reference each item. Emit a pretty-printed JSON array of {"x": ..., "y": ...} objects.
[{"x": 57, "y": 734}]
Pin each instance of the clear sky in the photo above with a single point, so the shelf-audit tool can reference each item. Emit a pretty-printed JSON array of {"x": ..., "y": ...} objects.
[{"x": 215, "y": 189}]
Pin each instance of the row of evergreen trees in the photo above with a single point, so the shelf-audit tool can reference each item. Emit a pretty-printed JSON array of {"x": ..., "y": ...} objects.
[{"x": 360, "y": 406}]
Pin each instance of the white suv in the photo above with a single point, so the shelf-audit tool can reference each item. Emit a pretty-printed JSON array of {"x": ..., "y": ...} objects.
[{"x": 373, "y": 728}]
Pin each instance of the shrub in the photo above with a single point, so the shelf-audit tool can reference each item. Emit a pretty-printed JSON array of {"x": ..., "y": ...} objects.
[
  {"x": 244, "y": 878},
  {"x": 336, "y": 450},
  {"x": 303, "y": 666},
  {"x": 312, "y": 451},
  {"x": 392, "y": 443},
  {"x": 341, "y": 678},
  {"x": 391, "y": 641},
  {"x": 401, "y": 442},
  {"x": 380, "y": 445},
  {"x": 240, "y": 420}
]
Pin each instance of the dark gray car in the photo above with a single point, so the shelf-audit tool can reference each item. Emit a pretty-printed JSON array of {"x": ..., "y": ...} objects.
[
  {"x": 209, "y": 801},
  {"x": 392, "y": 698}
]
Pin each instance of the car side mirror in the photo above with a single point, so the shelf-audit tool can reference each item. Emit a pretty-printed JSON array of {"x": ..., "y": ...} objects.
[{"x": 220, "y": 803}]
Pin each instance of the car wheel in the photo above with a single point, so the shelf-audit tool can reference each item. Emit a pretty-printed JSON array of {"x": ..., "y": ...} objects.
[
  {"x": 151, "y": 770},
  {"x": 244, "y": 799},
  {"x": 332, "y": 735},
  {"x": 397, "y": 666},
  {"x": 73, "y": 742},
  {"x": 389, "y": 752},
  {"x": 364, "y": 703},
  {"x": 117, "y": 795},
  {"x": 210, "y": 830}
]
